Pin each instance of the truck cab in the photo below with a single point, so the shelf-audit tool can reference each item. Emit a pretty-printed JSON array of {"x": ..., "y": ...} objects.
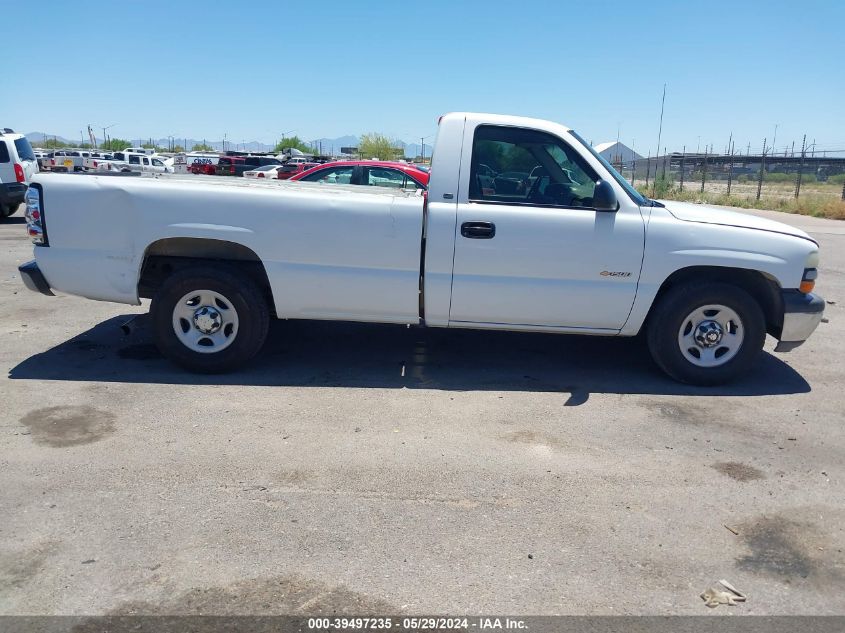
[{"x": 146, "y": 164}]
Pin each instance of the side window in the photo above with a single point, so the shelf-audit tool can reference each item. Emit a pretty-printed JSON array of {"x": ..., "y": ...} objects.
[
  {"x": 134, "y": 160},
  {"x": 523, "y": 166},
  {"x": 383, "y": 177},
  {"x": 333, "y": 176},
  {"x": 410, "y": 183},
  {"x": 4, "y": 153},
  {"x": 157, "y": 162}
]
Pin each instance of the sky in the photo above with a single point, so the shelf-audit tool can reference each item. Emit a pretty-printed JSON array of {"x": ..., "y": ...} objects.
[{"x": 253, "y": 70}]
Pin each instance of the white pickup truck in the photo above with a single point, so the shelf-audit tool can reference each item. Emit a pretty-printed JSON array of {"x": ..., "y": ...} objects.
[
  {"x": 563, "y": 244},
  {"x": 125, "y": 161}
]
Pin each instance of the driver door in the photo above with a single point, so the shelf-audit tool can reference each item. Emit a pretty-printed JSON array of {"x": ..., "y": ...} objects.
[{"x": 529, "y": 248}]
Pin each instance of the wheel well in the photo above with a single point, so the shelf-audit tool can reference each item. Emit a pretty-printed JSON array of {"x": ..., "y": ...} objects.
[
  {"x": 763, "y": 288},
  {"x": 166, "y": 256}
]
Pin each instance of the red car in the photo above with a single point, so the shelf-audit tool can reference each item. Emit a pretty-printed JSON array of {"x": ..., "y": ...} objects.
[
  {"x": 202, "y": 168},
  {"x": 368, "y": 172},
  {"x": 294, "y": 169}
]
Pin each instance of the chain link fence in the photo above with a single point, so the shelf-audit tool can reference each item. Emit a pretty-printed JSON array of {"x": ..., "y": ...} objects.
[{"x": 750, "y": 176}]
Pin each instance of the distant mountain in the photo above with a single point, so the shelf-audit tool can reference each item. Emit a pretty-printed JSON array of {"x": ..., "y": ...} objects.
[{"x": 38, "y": 137}]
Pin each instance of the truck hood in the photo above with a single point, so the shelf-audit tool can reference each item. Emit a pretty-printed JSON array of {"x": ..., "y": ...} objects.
[{"x": 689, "y": 212}]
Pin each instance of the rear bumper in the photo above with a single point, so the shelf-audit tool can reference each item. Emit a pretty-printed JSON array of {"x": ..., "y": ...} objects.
[
  {"x": 801, "y": 316},
  {"x": 12, "y": 193},
  {"x": 34, "y": 279}
]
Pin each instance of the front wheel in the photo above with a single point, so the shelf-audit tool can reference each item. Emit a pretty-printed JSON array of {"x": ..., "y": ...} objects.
[
  {"x": 706, "y": 333},
  {"x": 209, "y": 319}
]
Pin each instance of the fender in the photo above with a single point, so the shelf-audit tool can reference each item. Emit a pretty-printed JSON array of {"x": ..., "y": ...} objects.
[{"x": 673, "y": 245}]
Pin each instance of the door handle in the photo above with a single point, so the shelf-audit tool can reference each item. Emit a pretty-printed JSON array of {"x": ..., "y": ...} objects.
[{"x": 478, "y": 230}]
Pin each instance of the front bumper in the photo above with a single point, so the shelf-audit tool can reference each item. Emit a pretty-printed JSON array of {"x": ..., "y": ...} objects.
[
  {"x": 34, "y": 279},
  {"x": 801, "y": 316}
]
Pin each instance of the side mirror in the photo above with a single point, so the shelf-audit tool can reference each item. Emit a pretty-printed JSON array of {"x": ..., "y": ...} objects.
[{"x": 604, "y": 197}]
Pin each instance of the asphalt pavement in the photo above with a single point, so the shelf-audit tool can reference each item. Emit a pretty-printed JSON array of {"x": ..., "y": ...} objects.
[{"x": 380, "y": 469}]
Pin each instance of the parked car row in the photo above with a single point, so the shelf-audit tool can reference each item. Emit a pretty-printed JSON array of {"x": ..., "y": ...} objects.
[
  {"x": 136, "y": 159},
  {"x": 393, "y": 174}
]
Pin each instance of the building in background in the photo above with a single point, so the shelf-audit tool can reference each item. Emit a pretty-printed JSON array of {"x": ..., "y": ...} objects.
[{"x": 616, "y": 153}]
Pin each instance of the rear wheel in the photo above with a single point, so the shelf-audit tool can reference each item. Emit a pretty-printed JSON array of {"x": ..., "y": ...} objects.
[
  {"x": 706, "y": 333},
  {"x": 209, "y": 319}
]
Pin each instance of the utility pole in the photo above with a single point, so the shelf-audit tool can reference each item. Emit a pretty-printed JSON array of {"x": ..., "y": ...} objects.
[
  {"x": 730, "y": 166},
  {"x": 730, "y": 151},
  {"x": 659, "y": 136},
  {"x": 618, "y": 155},
  {"x": 762, "y": 169},
  {"x": 801, "y": 167},
  {"x": 633, "y": 161},
  {"x": 683, "y": 157},
  {"x": 422, "y": 151},
  {"x": 704, "y": 170},
  {"x": 774, "y": 140}
]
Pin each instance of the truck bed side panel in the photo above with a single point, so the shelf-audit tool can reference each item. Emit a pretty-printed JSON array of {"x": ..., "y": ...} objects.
[{"x": 329, "y": 252}]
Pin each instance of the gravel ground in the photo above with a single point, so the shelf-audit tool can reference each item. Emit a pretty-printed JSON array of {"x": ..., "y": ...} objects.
[{"x": 379, "y": 469}]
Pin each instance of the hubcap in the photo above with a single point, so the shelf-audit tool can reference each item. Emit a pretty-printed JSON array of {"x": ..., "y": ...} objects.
[
  {"x": 708, "y": 333},
  {"x": 711, "y": 335},
  {"x": 205, "y": 321}
]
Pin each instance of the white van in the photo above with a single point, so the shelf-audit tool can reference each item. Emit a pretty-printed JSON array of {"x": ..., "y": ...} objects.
[{"x": 17, "y": 165}]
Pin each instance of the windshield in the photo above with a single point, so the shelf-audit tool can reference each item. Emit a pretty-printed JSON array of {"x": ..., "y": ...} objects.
[{"x": 635, "y": 195}]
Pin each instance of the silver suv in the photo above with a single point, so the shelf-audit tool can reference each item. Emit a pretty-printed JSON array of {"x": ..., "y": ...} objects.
[{"x": 17, "y": 165}]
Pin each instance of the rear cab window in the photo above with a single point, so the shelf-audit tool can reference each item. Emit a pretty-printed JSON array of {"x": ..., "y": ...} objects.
[{"x": 24, "y": 149}]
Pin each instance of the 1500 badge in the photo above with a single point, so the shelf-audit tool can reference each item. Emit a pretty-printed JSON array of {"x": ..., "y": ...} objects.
[{"x": 614, "y": 273}]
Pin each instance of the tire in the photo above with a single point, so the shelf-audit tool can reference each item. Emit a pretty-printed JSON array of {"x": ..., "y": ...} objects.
[
  {"x": 5, "y": 211},
  {"x": 221, "y": 313},
  {"x": 706, "y": 333}
]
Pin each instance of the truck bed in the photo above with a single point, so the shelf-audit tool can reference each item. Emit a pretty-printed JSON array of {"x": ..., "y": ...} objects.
[{"x": 329, "y": 251}]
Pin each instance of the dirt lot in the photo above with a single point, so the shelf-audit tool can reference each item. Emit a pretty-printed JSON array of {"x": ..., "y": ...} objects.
[
  {"x": 498, "y": 473},
  {"x": 785, "y": 191}
]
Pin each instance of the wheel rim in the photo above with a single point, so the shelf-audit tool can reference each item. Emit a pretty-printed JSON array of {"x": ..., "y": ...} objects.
[
  {"x": 711, "y": 335},
  {"x": 205, "y": 321}
]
